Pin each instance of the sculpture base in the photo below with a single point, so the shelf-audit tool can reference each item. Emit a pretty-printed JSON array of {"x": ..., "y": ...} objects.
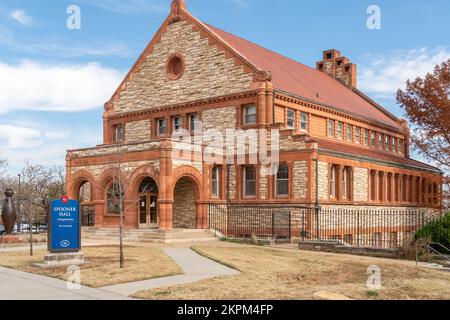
[
  {"x": 9, "y": 239},
  {"x": 56, "y": 260}
]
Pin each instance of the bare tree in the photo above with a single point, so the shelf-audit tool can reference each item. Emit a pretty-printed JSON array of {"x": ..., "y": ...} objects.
[
  {"x": 116, "y": 190},
  {"x": 39, "y": 186}
]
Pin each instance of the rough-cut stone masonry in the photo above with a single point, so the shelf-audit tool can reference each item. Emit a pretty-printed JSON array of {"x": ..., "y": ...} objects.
[
  {"x": 184, "y": 208},
  {"x": 138, "y": 131},
  {"x": 220, "y": 119},
  {"x": 323, "y": 180},
  {"x": 360, "y": 184},
  {"x": 207, "y": 73},
  {"x": 176, "y": 163},
  {"x": 114, "y": 149},
  {"x": 127, "y": 168},
  {"x": 300, "y": 179}
]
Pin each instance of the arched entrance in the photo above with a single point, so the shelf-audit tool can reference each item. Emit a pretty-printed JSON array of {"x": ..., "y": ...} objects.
[
  {"x": 148, "y": 204},
  {"x": 184, "y": 206},
  {"x": 87, "y": 209}
]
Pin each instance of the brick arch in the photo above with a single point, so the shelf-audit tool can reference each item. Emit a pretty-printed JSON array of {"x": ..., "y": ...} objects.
[
  {"x": 191, "y": 173},
  {"x": 139, "y": 174},
  {"x": 81, "y": 177}
]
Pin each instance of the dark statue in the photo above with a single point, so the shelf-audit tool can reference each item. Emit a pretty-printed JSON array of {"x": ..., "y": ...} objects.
[{"x": 8, "y": 212}]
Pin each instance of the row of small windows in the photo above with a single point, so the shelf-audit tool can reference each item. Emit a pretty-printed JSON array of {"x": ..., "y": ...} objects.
[
  {"x": 292, "y": 120},
  {"x": 364, "y": 136},
  {"x": 249, "y": 181},
  {"x": 177, "y": 124}
]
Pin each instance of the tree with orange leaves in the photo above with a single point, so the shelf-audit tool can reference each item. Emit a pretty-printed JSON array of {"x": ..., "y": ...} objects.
[{"x": 427, "y": 107}]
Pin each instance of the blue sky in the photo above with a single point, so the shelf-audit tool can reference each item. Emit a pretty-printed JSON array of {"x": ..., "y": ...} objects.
[{"x": 54, "y": 81}]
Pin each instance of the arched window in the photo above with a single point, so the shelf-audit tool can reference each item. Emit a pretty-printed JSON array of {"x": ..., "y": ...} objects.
[{"x": 115, "y": 198}]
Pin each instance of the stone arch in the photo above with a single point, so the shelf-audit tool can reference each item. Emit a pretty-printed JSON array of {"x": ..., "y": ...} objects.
[
  {"x": 79, "y": 178},
  {"x": 186, "y": 191},
  {"x": 139, "y": 174}
]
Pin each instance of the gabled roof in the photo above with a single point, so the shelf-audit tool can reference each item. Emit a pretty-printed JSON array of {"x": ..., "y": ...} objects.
[{"x": 298, "y": 79}]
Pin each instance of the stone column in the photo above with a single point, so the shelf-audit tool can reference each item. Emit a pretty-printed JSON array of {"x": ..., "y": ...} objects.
[
  {"x": 262, "y": 104},
  {"x": 166, "y": 186},
  {"x": 269, "y": 103}
]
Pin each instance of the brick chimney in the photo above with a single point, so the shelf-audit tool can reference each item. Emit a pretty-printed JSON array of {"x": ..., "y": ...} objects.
[{"x": 338, "y": 67}]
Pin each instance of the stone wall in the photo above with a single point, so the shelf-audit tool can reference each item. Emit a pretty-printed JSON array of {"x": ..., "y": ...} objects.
[
  {"x": 360, "y": 184},
  {"x": 220, "y": 119},
  {"x": 300, "y": 180},
  {"x": 127, "y": 168},
  {"x": 114, "y": 149},
  {"x": 138, "y": 131},
  {"x": 208, "y": 73},
  {"x": 323, "y": 180},
  {"x": 184, "y": 207}
]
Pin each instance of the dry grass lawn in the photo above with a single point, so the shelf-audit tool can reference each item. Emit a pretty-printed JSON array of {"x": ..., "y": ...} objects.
[
  {"x": 141, "y": 263},
  {"x": 276, "y": 274}
]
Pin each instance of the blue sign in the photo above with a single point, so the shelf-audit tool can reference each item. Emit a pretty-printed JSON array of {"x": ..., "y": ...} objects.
[{"x": 64, "y": 226}]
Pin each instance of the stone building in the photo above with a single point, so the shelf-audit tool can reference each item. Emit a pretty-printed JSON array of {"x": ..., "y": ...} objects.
[{"x": 337, "y": 147}]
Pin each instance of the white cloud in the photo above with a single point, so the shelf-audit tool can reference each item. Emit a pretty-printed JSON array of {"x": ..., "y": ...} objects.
[
  {"x": 383, "y": 75},
  {"x": 22, "y": 17},
  {"x": 42, "y": 143},
  {"x": 71, "y": 88}
]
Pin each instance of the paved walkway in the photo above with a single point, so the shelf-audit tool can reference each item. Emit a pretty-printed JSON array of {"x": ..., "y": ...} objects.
[
  {"x": 17, "y": 285},
  {"x": 194, "y": 266}
]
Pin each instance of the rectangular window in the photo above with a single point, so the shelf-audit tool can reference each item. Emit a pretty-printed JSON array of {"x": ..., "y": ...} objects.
[
  {"x": 358, "y": 135},
  {"x": 400, "y": 146},
  {"x": 250, "y": 115},
  {"x": 340, "y": 130},
  {"x": 386, "y": 143},
  {"x": 193, "y": 122},
  {"x": 215, "y": 182},
  {"x": 331, "y": 128},
  {"x": 177, "y": 124},
  {"x": 119, "y": 133},
  {"x": 366, "y": 137},
  {"x": 349, "y": 133},
  {"x": 303, "y": 121},
  {"x": 249, "y": 181},
  {"x": 291, "y": 119},
  {"x": 372, "y": 138},
  {"x": 380, "y": 141},
  {"x": 282, "y": 185},
  {"x": 345, "y": 183},
  {"x": 162, "y": 126},
  {"x": 333, "y": 181},
  {"x": 394, "y": 144}
]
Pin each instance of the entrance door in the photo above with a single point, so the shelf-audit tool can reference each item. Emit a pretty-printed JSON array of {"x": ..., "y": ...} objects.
[{"x": 148, "y": 210}]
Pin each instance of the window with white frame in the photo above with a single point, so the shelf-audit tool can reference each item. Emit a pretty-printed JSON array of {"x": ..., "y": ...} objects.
[
  {"x": 290, "y": 119},
  {"x": 380, "y": 141},
  {"x": 330, "y": 128},
  {"x": 400, "y": 146},
  {"x": 177, "y": 123},
  {"x": 366, "y": 137},
  {"x": 282, "y": 181},
  {"x": 345, "y": 183},
  {"x": 358, "y": 135},
  {"x": 303, "y": 121},
  {"x": 250, "y": 114},
  {"x": 215, "y": 181},
  {"x": 333, "y": 181},
  {"x": 394, "y": 144},
  {"x": 162, "y": 126},
  {"x": 349, "y": 133},
  {"x": 372, "y": 138},
  {"x": 193, "y": 122},
  {"x": 386, "y": 143},
  {"x": 119, "y": 133},
  {"x": 340, "y": 132},
  {"x": 249, "y": 181}
]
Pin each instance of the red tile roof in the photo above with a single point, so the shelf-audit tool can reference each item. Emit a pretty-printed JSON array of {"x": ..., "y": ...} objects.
[
  {"x": 301, "y": 80},
  {"x": 372, "y": 154}
]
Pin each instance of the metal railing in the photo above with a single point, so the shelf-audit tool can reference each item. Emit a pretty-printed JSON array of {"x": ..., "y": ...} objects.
[
  {"x": 377, "y": 228},
  {"x": 248, "y": 222}
]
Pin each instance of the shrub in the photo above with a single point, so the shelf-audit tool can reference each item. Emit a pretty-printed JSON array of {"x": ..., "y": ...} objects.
[{"x": 437, "y": 231}]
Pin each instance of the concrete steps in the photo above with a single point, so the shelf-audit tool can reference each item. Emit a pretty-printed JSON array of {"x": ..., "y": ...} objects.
[{"x": 149, "y": 235}]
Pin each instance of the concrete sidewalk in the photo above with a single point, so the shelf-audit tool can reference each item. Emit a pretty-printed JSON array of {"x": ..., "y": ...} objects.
[
  {"x": 17, "y": 285},
  {"x": 194, "y": 266}
]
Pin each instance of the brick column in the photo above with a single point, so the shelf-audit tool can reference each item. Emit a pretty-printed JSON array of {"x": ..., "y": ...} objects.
[
  {"x": 383, "y": 182},
  {"x": 414, "y": 190},
  {"x": 400, "y": 190},
  {"x": 269, "y": 103},
  {"x": 406, "y": 189},
  {"x": 262, "y": 104},
  {"x": 166, "y": 186}
]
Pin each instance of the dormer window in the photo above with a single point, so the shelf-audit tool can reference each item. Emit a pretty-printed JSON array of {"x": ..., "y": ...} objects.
[{"x": 119, "y": 133}]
